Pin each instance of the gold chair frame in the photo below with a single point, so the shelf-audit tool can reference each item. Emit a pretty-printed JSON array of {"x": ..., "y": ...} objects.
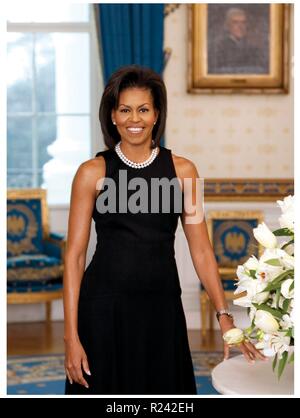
[
  {"x": 15, "y": 298},
  {"x": 206, "y": 306}
]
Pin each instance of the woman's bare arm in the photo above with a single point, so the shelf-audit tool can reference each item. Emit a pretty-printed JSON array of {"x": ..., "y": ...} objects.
[
  {"x": 196, "y": 233},
  {"x": 203, "y": 256},
  {"x": 83, "y": 196}
]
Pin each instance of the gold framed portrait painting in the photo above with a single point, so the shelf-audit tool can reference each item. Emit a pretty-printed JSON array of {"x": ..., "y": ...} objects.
[{"x": 239, "y": 48}]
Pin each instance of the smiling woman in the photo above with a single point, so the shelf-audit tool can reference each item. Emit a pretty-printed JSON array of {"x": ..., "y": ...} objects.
[
  {"x": 133, "y": 105},
  {"x": 125, "y": 328},
  {"x": 135, "y": 115},
  {"x": 135, "y": 119}
]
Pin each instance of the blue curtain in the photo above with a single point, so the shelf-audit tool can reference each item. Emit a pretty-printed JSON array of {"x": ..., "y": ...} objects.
[{"x": 131, "y": 34}]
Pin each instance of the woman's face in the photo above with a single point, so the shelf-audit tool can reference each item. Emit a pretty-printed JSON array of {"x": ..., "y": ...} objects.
[{"x": 135, "y": 115}]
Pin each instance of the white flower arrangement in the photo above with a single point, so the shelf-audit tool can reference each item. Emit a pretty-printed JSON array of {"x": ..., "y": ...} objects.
[{"x": 266, "y": 286}]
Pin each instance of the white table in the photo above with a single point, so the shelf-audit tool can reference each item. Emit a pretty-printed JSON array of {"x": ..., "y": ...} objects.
[{"x": 237, "y": 377}]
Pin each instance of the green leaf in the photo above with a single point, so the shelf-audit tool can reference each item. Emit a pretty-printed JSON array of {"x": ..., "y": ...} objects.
[
  {"x": 267, "y": 308},
  {"x": 286, "y": 304},
  {"x": 292, "y": 286},
  {"x": 287, "y": 244},
  {"x": 282, "y": 232},
  {"x": 249, "y": 331},
  {"x": 274, "y": 284},
  {"x": 290, "y": 333},
  {"x": 272, "y": 287},
  {"x": 275, "y": 362},
  {"x": 283, "y": 275},
  {"x": 252, "y": 274},
  {"x": 260, "y": 335},
  {"x": 282, "y": 364},
  {"x": 278, "y": 293},
  {"x": 291, "y": 359},
  {"x": 273, "y": 262}
]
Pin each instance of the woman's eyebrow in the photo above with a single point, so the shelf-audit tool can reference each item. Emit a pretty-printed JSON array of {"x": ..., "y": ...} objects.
[{"x": 122, "y": 104}]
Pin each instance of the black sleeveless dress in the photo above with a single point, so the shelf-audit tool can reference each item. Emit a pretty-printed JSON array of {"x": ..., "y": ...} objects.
[{"x": 131, "y": 321}]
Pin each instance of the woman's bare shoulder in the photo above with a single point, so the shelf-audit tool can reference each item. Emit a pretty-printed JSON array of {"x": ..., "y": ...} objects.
[
  {"x": 89, "y": 174},
  {"x": 183, "y": 166},
  {"x": 92, "y": 167}
]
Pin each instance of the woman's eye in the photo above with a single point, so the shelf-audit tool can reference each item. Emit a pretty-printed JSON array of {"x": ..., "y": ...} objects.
[{"x": 143, "y": 109}]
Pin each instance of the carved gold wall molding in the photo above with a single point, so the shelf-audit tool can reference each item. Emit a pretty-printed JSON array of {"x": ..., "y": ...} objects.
[{"x": 267, "y": 190}]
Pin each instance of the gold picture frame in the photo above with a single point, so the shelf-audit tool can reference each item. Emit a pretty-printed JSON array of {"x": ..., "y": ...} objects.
[{"x": 238, "y": 49}]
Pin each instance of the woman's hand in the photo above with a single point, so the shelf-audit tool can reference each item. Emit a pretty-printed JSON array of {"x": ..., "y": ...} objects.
[
  {"x": 75, "y": 361},
  {"x": 247, "y": 348}
]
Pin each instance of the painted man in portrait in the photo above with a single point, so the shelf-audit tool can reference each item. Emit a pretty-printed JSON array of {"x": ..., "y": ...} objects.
[{"x": 232, "y": 53}]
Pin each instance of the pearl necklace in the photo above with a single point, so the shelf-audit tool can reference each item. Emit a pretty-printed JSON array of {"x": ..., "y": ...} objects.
[{"x": 133, "y": 164}]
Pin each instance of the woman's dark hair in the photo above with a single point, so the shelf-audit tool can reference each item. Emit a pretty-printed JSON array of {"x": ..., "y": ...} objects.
[{"x": 132, "y": 76}]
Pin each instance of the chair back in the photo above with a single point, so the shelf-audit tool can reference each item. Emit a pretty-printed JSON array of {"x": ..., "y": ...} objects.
[
  {"x": 27, "y": 221},
  {"x": 232, "y": 239}
]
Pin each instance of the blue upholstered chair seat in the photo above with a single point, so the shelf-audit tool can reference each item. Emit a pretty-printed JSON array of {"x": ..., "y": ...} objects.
[
  {"x": 34, "y": 272},
  {"x": 32, "y": 261},
  {"x": 39, "y": 266}
]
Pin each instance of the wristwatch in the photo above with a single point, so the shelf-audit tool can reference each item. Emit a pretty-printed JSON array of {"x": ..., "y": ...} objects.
[{"x": 223, "y": 312}]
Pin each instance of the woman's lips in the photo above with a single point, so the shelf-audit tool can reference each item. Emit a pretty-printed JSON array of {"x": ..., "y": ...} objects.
[{"x": 135, "y": 131}]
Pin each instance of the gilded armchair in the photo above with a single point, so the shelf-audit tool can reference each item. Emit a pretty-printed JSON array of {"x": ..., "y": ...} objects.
[
  {"x": 35, "y": 256},
  {"x": 231, "y": 236}
]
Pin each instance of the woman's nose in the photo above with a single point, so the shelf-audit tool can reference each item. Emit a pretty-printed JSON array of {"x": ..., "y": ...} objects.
[{"x": 135, "y": 116}]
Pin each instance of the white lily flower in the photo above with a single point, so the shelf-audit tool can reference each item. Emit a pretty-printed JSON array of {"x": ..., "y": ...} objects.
[
  {"x": 282, "y": 256},
  {"x": 255, "y": 292},
  {"x": 280, "y": 343},
  {"x": 244, "y": 302},
  {"x": 285, "y": 289},
  {"x": 260, "y": 345},
  {"x": 266, "y": 322},
  {"x": 289, "y": 249},
  {"x": 264, "y": 236},
  {"x": 288, "y": 260},
  {"x": 286, "y": 322},
  {"x": 253, "y": 287},
  {"x": 264, "y": 345},
  {"x": 255, "y": 275},
  {"x": 274, "y": 301},
  {"x": 234, "y": 336},
  {"x": 241, "y": 273},
  {"x": 287, "y": 203},
  {"x": 260, "y": 298},
  {"x": 287, "y": 221},
  {"x": 244, "y": 285},
  {"x": 252, "y": 263},
  {"x": 287, "y": 218},
  {"x": 266, "y": 272}
]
